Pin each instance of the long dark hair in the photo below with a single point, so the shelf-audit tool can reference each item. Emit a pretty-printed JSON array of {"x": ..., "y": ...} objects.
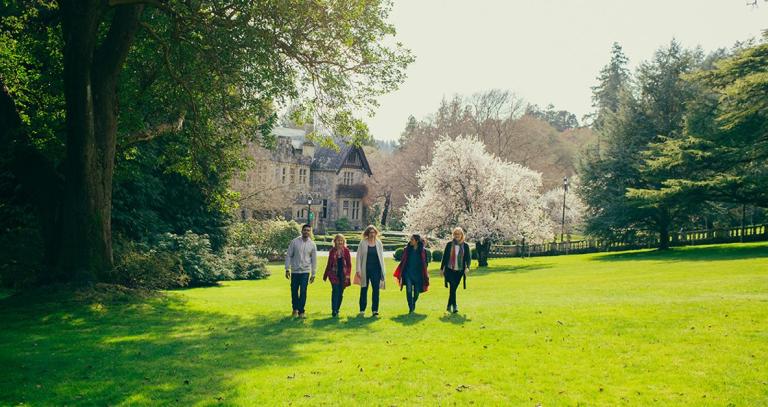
[{"x": 420, "y": 241}]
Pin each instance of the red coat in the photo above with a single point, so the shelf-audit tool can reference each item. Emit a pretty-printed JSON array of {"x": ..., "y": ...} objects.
[
  {"x": 404, "y": 261},
  {"x": 330, "y": 268}
]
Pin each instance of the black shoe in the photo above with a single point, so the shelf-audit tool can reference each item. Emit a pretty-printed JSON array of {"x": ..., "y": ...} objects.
[
  {"x": 455, "y": 310},
  {"x": 376, "y": 314}
]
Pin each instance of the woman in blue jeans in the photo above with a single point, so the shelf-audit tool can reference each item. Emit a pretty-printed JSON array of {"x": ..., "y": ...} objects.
[
  {"x": 370, "y": 269},
  {"x": 412, "y": 271}
]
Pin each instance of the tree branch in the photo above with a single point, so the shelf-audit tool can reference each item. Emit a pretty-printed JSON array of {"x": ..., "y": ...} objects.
[
  {"x": 158, "y": 130},
  {"x": 167, "y": 58},
  {"x": 110, "y": 55}
]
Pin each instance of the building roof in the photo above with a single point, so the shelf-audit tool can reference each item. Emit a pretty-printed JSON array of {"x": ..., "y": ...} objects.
[{"x": 325, "y": 159}]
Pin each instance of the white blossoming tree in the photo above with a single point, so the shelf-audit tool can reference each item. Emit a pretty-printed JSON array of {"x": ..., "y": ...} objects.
[
  {"x": 492, "y": 200},
  {"x": 552, "y": 201}
]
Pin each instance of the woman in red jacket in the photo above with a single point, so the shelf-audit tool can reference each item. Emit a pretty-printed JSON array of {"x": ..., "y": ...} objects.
[{"x": 338, "y": 270}]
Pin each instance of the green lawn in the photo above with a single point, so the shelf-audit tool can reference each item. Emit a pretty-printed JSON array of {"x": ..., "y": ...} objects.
[{"x": 689, "y": 326}]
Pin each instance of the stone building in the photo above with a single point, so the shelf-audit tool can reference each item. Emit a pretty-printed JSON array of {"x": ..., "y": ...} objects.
[{"x": 297, "y": 170}]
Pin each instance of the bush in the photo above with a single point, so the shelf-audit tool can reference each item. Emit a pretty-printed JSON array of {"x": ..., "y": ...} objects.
[
  {"x": 437, "y": 255},
  {"x": 138, "y": 266},
  {"x": 197, "y": 260},
  {"x": 21, "y": 264},
  {"x": 244, "y": 264},
  {"x": 398, "y": 254},
  {"x": 343, "y": 224},
  {"x": 268, "y": 238}
]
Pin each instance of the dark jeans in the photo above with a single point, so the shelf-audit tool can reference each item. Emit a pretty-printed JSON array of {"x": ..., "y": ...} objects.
[
  {"x": 454, "y": 279},
  {"x": 337, "y": 294},
  {"x": 411, "y": 293},
  {"x": 299, "y": 284},
  {"x": 374, "y": 283}
]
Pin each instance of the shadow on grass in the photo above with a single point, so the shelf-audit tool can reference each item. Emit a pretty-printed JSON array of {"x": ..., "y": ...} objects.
[
  {"x": 409, "y": 319},
  {"x": 149, "y": 351},
  {"x": 355, "y": 322},
  {"x": 691, "y": 253},
  {"x": 523, "y": 268},
  {"x": 456, "y": 319}
]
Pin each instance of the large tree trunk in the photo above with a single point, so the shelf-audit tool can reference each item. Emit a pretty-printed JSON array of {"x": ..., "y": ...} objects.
[
  {"x": 663, "y": 226},
  {"x": 90, "y": 78},
  {"x": 482, "y": 248}
]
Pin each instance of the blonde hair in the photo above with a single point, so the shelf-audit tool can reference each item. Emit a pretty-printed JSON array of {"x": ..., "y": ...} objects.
[
  {"x": 343, "y": 240},
  {"x": 460, "y": 230},
  {"x": 368, "y": 230}
]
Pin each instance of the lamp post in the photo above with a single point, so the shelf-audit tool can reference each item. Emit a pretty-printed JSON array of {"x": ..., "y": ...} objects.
[
  {"x": 562, "y": 223},
  {"x": 309, "y": 209}
]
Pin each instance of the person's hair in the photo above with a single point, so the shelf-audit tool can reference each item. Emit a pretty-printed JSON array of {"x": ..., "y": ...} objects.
[
  {"x": 306, "y": 225},
  {"x": 419, "y": 240},
  {"x": 460, "y": 230},
  {"x": 368, "y": 230},
  {"x": 343, "y": 240}
]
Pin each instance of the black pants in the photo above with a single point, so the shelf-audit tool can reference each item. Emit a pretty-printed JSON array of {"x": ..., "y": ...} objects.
[
  {"x": 412, "y": 290},
  {"x": 337, "y": 294},
  {"x": 374, "y": 282},
  {"x": 454, "y": 279},
  {"x": 299, "y": 282}
]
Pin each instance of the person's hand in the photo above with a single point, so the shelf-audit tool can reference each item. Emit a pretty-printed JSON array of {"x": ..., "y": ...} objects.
[
  {"x": 311, "y": 279},
  {"x": 346, "y": 281},
  {"x": 325, "y": 277},
  {"x": 288, "y": 274}
]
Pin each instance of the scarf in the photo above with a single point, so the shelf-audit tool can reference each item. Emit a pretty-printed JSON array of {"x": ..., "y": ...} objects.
[{"x": 457, "y": 261}]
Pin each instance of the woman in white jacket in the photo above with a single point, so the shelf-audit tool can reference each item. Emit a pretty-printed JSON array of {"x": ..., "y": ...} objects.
[{"x": 370, "y": 269}]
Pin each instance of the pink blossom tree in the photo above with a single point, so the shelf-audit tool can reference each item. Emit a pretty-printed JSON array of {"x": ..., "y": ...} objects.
[{"x": 491, "y": 199}]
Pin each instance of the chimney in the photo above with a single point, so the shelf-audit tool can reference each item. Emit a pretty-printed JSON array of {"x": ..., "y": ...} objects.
[{"x": 308, "y": 149}]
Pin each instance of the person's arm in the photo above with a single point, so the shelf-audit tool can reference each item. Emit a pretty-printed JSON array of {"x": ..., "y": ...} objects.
[
  {"x": 313, "y": 259},
  {"x": 446, "y": 257},
  {"x": 468, "y": 255},
  {"x": 348, "y": 258},
  {"x": 380, "y": 249},
  {"x": 328, "y": 264},
  {"x": 358, "y": 258},
  {"x": 288, "y": 256}
]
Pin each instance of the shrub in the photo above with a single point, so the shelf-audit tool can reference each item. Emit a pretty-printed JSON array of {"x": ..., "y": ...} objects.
[
  {"x": 268, "y": 238},
  {"x": 138, "y": 266},
  {"x": 21, "y": 265},
  {"x": 244, "y": 264},
  {"x": 343, "y": 224},
  {"x": 197, "y": 260},
  {"x": 437, "y": 255},
  {"x": 398, "y": 254},
  {"x": 429, "y": 255}
]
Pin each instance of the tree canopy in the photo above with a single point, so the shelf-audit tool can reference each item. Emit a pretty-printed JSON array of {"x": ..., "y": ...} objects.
[{"x": 86, "y": 83}]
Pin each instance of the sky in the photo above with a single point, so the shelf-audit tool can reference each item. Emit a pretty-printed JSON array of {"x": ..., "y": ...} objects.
[{"x": 545, "y": 51}]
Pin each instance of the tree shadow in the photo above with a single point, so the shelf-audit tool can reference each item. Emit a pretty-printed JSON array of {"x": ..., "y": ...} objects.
[
  {"x": 149, "y": 351},
  {"x": 691, "y": 253},
  {"x": 523, "y": 268},
  {"x": 409, "y": 319},
  {"x": 456, "y": 319}
]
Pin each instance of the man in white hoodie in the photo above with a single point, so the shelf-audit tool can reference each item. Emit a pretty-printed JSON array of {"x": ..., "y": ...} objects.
[{"x": 300, "y": 265}]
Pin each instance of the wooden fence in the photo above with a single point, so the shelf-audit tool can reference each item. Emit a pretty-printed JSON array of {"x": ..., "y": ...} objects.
[{"x": 752, "y": 233}]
